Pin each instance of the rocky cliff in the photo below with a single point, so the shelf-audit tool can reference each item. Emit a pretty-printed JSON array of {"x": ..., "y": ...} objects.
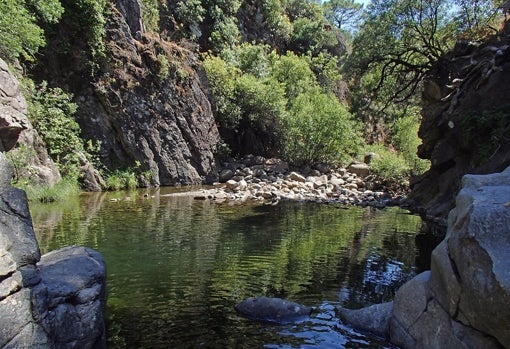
[
  {"x": 54, "y": 301},
  {"x": 30, "y": 156},
  {"x": 146, "y": 103},
  {"x": 464, "y": 300},
  {"x": 466, "y": 120}
]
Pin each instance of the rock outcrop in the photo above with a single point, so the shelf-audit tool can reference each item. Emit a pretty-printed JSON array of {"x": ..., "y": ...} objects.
[
  {"x": 146, "y": 103},
  {"x": 464, "y": 300},
  {"x": 54, "y": 301},
  {"x": 16, "y": 131},
  {"x": 466, "y": 120}
]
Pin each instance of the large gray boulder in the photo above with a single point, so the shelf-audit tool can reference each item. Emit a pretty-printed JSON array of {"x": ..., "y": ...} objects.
[
  {"x": 53, "y": 301},
  {"x": 464, "y": 300}
]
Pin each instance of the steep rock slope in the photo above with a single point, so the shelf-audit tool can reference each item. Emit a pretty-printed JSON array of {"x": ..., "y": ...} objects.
[
  {"x": 466, "y": 121},
  {"x": 17, "y": 132},
  {"x": 147, "y": 104}
]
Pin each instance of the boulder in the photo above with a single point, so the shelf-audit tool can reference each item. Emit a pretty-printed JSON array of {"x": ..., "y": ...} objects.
[
  {"x": 275, "y": 310},
  {"x": 375, "y": 318},
  {"x": 464, "y": 300},
  {"x": 360, "y": 169},
  {"x": 54, "y": 301}
]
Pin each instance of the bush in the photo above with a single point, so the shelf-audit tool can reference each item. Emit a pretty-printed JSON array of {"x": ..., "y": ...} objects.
[
  {"x": 87, "y": 20},
  {"x": 405, "y": 137},
  {"x": 119, "y": 180},
  {"x": 59, "y": 192},
  {"x": 51, "y": 112},
  {"x": 21, "y": 36},
  {"x": 389, "y": 166},
  {"x": 320, "y": 129}
]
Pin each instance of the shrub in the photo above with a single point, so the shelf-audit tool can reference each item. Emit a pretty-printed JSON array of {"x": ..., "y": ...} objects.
[
  {"x": 87, "y": 19},
  {"x": 121, "y": 179},
  {"x": 150, "y": 13},
  {"x": 293, "y": 72},
  {"x": 59, "y": 192},
  {"x": 21, "y": 36},
  {"x": 389, "y": 166},
  {"x": 320, "y": 129},
  {"x": 51, "y": 112},
  {"x": 405, "y": 137}
]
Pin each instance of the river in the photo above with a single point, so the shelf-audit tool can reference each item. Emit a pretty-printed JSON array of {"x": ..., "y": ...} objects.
[{"x": 177, "y": 266}]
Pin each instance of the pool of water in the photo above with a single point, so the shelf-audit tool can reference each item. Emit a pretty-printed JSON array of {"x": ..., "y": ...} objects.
[{"x": 177, "y": 266}]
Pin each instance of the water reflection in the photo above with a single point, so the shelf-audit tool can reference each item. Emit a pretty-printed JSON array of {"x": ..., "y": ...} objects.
[{"x": 177, "y": 266}]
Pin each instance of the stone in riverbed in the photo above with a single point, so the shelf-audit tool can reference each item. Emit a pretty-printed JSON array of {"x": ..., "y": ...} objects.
[{"x": 275, "y": 310}]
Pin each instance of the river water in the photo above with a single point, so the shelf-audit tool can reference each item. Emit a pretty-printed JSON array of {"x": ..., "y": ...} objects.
[{"x": 177, "y": 266}]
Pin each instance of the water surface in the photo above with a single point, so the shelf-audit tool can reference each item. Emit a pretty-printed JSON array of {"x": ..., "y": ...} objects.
[{"x": 177, "y": 266}]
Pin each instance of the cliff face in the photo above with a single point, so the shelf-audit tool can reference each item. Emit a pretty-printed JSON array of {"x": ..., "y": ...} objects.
[
  {"x": 31, "y": 159},
  {"x": 466, "y": 120},
  {"x": 147, "y": 104}
]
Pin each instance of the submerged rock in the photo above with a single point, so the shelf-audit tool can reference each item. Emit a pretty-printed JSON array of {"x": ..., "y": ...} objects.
[{"x": 275, "y": 310}]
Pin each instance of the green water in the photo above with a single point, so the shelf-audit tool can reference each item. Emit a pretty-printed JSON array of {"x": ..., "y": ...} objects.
[{"x": 177, "y": 266}]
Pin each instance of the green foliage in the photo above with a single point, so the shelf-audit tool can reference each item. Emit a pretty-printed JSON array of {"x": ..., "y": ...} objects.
[
  {"x": 486, "y": 131},
  {"x": 225, "y": 34},
  {"x": 87, "y": 20},
  {"x": 163, "y": 66},
  {"x": 20, "y": 35},
  {"x": 150, "y": 13},
  {"x": 293, "y": 72},
  {"x": 405, "y": 137},
  {"x": 390, "y": 166},
  {"x": 47, "y": 11},
  {"x": 51, "y": 112},
  {"x": 190, "y": 11},
  {"x": 319, "y": 129},
  {"x": 20, "y": 160},
  {"x": 221, "y": 76},
  {"x": 277, "y": 98},
  {"x": 278, "y": 22},
  {"x": 121, "y": 179},
  {"x": 59, "y": 192}
]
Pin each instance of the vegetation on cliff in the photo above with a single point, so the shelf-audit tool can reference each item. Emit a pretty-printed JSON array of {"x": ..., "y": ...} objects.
[{"x": 304, "y": 80}]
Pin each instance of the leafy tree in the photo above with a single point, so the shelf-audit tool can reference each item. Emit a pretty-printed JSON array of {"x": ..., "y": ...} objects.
[
  {"x": 343, "y": 14},
  {"x": 402, "y": 39},
  {"x": 319, "y": 129},
  {"x": 51, "y": 111},
  {"x": 20, "y": 34},
  {"x": 293, "y": 72}
]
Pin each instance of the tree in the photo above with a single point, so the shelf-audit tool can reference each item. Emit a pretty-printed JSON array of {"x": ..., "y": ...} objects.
[
  {"x": 20, "y": 34},
  {"x": 402, "y": 39},
  {"x": 343, "y": 13}
]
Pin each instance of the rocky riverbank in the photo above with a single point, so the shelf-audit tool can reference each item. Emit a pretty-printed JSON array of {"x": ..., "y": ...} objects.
[
  {"x": 272, "y": 180},
  {"x": 464, "y": 300}
]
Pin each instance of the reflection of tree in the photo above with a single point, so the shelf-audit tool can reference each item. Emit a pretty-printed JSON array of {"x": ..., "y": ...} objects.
[
  {"x": 176, "y": 266},
  {"x": 380, "y": 260}
]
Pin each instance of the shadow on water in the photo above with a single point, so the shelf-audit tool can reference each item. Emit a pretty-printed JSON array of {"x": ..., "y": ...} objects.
[{"x": 177, "y": 266}]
